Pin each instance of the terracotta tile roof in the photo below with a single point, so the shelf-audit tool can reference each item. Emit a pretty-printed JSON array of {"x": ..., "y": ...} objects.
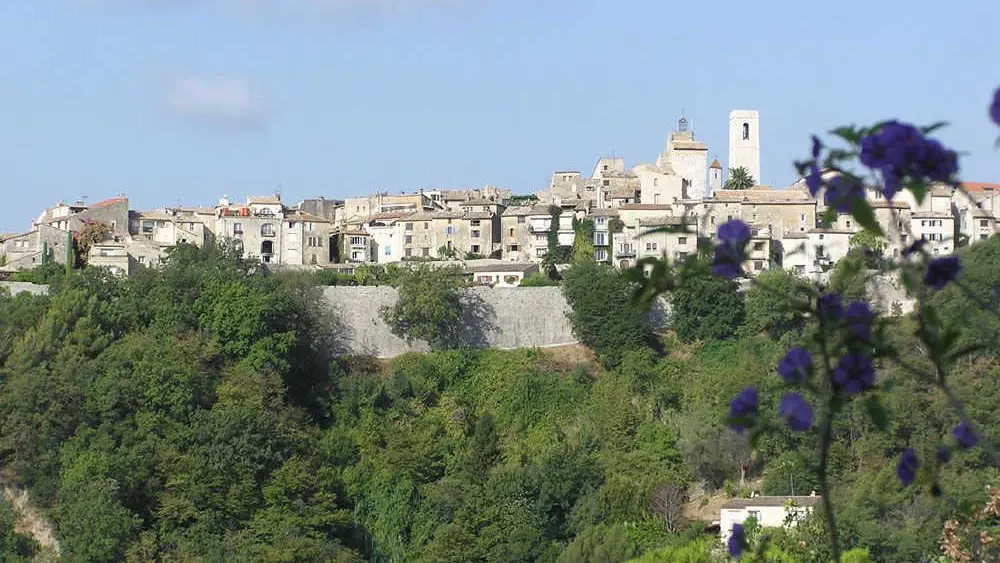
[
  {"x": 305, "y": 216},
  {"x": 263, "y": 200},
  {"x": 392, "y": 215},
  {"x": 645, "y": 207},
  {"x": 109, "y": 202},
  {"x": 980, "y": 186},
  {"x": 764, "y": 194},
  {"x": 882, "y": 204},
  {"x": 518, "y": 211},
  {"x": 604, "y": 212}
]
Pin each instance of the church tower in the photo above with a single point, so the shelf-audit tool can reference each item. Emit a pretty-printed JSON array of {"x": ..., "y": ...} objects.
[
  {"x": 714, "y": 178},
  {"x": 744, "y": 141}
]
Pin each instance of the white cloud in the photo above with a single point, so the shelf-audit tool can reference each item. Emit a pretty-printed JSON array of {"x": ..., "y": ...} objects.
[{"x": 216, "y": 99}]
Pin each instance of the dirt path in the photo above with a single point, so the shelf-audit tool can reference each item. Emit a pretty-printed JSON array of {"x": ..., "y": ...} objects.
[{"x": 30, "y": 521}]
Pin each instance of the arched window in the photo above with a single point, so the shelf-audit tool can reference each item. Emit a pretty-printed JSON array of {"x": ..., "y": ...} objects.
[
  {"x": 267, "y": 230},
  {"x": 746, "y": 131},
  {"x": 655, "y": 181}
]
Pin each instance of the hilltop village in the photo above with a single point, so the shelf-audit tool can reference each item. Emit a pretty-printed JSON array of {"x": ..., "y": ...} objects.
[{"x": 501, "y": 237}]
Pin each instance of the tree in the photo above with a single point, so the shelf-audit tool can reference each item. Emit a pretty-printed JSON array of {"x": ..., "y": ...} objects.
[
  {"x": 873, "y": 244},
  {"x": 91, "y": 233},
  {"x": 429, "y": 306},
  {"x": 600, "y": 544},
  {"x": 768, "y": 306},
  {"x": 604, "y": 317},
  {"x": 583, "y": 241},
  {"x": 740, "y": 179},
  {"x": 704, "y": 306},
  {"x": 538, "y": 279}
]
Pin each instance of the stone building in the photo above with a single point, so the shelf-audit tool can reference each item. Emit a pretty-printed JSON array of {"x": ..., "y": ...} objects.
[
  {"x": 744, "y": 142},
  {"x": 516, "y": 239}
]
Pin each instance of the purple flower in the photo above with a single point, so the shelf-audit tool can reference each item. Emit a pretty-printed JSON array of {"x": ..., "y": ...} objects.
[
  {"x": 842, "y": 192},
  {"x": 817, "y": 146},
  {"x": 728, "y": 255},
  {"x": 941, "y": 271},
  {"x": 743, "y": 409},
  {"x": 796, "y": 411},
  {"x": 995, "y": 107},
  {"x": 943, "y": 454},
  {"x": 736, "y": 540},
  {"x": 794, "y": 368},
  {"x": 734, "y": 233},
  {"x": 830, "y": 307},
  {"x": 859, "y": 319},
  {"x": 726, "y": 261},
  {"x": 935, "y": 162},
  {"x": 964, "y": 435},
  {"x": 854, "y": 373},
  {"x": 907, "y": 468},
  {"x": 892, "y": 182},
  {"x": 900, "y": 150},
  {"x": 814, "y": 181}
]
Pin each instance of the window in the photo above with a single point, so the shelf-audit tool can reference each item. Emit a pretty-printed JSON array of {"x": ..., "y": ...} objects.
[
  {"x": 408, "y": 253},
  {"x": 475, "y": 233},
  {"x": 758, "y": 246},
  {"x": 746, "y": 131},
  {"x": 606, "y": 182},
  {"x": 449, "y": 230},
  {"x": 712, "y": 219},
  {"x": 540, "y": 238},
  {"x": 408, "y": 239},
  {"x": 800, "y": 269},
  {"x": 682, "y": 240},
  {"x": 520, "y": 220},
  {"x": 512, "y": 231},
  {"x": 388, "y": 250},
  {"x": 729, "y": 217},
  {"x": 357, "y": 241},
  {"x": 142, "y": 260},
  {"x": 848, "y": 223},
  {"x": 656, "y": 181},
  {"x": 147, "y": 227},
  {"x": 983, "y": 237},
  {"x": 540, "y": 252},
  {"x": 821, "y": 236},
  {"x": 754, "y": 218},
  {"x": 601, "y": 254},
  {"x": 514, "y": 248},
  {"x": 819, "y": 251},
  {"x": 605, "y": 167},
  {"x": 802, "y": 217},
  {"x": 656, "y": 198},
  {"x": 425, "y": 251},
  {"x": 600, "y": 220},
  {"x": 267, "y": 230},
  {"x": 409, "y": 226},
  {"x": 601, "y": 239},
  {"x": 758, "y": 265},
  {"x": 427, "y": 226},
  {"x": 984, "y": 223},
  {"x": 681, "y": 256},
  {"x": 475, "y": 222},
  {"x": 475, "y": 249},
  {"x": 650, "y": 246}
]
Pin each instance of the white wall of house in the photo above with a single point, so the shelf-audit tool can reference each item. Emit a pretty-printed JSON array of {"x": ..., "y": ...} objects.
[{"x": 766, "y": 516}]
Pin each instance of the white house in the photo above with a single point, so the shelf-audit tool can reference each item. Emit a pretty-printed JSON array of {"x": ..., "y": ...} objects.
[{"x": 769, "y": 512}]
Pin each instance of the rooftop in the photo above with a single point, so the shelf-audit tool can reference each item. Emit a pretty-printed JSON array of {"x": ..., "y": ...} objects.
[
  {"x": 110, "y": 202},
  {"x": 764, "y": 194},
  {"x": 520, "y": 210},
  {"x": 738, "y": 503},
  {"x": 264, "y": 200},
  {"x": 932, "y": 215},
  {"x": 980, "y": 186},
  {"x": 645, "y": 207},
  {"x": 501, "y": 267}
]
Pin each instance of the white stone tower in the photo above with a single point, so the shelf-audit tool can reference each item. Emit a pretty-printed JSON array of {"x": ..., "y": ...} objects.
[
  {"x": 714, "y": 178},
  {"x": 744, "y": 141}
]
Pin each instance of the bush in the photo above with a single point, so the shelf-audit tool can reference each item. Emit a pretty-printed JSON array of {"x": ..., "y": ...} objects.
[
  {"x": 604, "y": 317},
  {"x": 429, "y": 307},
  {"x": 705, "y": 307},
  {"x": 538, "y": 279}
]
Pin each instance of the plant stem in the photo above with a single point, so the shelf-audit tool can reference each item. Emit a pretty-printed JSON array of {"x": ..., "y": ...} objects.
[{"x": 824, "y": 485}]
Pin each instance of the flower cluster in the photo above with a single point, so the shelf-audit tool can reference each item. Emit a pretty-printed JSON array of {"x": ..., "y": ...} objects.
[
  {"x": 727, "y": 259},
  {"x": 737, "y": 540},
  {"x": 900, "y": 151},
  {"x": 906, "y": 469}
]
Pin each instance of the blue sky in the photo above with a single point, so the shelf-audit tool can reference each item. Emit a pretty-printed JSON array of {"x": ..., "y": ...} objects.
[{"x": 174, "y": 101}]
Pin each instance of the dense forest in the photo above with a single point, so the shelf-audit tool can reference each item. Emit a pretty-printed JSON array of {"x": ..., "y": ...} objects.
[{"x": 194, "y": 413}]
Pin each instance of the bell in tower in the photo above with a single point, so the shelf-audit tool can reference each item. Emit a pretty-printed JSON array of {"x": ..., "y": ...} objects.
[{"x": 682, "y": 125}]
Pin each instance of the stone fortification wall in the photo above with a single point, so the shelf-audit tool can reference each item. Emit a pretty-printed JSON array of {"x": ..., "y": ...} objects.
[
  {"x": 526, "y": 317},
  {"x": 20, "y": 287}
]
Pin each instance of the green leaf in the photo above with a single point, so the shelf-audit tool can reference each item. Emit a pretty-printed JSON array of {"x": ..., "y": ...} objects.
[
  {"x": 850, "y": 133},
  {"x": 933, "y": 127},
  {"x": 879, "y": 417},
  {"x": 865, "y": 216}
]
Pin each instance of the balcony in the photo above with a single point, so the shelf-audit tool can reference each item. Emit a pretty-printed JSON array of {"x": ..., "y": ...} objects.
[{"x": 625, "y": 253}]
